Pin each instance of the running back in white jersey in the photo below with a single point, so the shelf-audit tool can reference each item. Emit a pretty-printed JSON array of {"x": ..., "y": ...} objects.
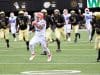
[{"x": 41, "y": 32}]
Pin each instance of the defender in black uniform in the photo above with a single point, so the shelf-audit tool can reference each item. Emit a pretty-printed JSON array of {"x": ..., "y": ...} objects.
[
  {"x": 22, "y": 21},
  {"x": 74, "y": 21},
  {"x": 4, "y": 27},
  {"x": 93, "y": 27},
  {"x": 97, "y": 28},
  {"x": 59, "y": 22}
]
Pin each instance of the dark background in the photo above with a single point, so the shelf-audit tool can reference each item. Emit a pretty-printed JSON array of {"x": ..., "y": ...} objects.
[{"x": 37, "y": 5}]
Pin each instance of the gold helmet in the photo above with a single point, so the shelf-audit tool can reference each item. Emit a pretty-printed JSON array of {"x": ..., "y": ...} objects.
[
  {"x": 56, "y": 10},
  {"x": 21, "y": 12},
  {"x": 2, "y": 12},
  {"x": 72, "y": 11},
  {"x": 97, "y": 15},
  {"x": 44, "y": 10}
]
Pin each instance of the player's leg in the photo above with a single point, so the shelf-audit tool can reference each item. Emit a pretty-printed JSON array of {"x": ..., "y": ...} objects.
[
  {"x": 23, "y": 35},
  {"x": 92, "y": 33},
  {"x": 58, "y": 35},
  {"x": 6, "y": 34},
  {"x": 20, "y": 35},
  {"x": 48, "y": 35},
  {"x": 32, "y": 44},
  {"x": 26, "y": 36},
  {"x": 14, "y": 35},
  {"x": 98, "y": 58},
  {"x": 45, "y": 48},
  {"x": 65, "y": 31},
  {"x": 68, "y": 30},
  {"x": 63, "y": 34},
  {"x": 89, "y": 30},
  {"x": 13, "y": 31},
  {"x": 1, "y": 33},
  {"x": 97, "y": 46},
  {"x": 48, "y": 39},
  {"x": 77, "y": 34}
]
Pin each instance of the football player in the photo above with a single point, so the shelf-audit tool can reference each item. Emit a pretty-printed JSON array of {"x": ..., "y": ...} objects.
[
  {"x": 97, "y": 28},
  {"x": 67, "y": 26},
  {"x": 49, "y": 24},
  {"x": 4, "y": 27},
  {"x": 93, "y": 21},
  {"x": 29, "y": 19},
  {"x": 88, "y": 18},
  {"x": 40, "y": 36},
  {"x": 59, "y": 22},
  {"x": 12, "y": 23},
  {"x": 74, "y": 21},
  {"x": 22, "y": 22}
]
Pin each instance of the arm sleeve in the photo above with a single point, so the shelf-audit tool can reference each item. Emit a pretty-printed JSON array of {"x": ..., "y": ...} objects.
[{"x": 50, "y": 20}]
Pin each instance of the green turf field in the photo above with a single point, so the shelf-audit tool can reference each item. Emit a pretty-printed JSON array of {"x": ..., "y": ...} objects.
[{"x": 80, "y": 56}]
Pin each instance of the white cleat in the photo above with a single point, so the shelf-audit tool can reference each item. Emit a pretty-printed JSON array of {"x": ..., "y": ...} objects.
[
  {"x": 69, "y": 39},
  {"x": 49, "y": 58},
  {"x": 15, "y": 39},
  {"x": 32, "y": 57}
]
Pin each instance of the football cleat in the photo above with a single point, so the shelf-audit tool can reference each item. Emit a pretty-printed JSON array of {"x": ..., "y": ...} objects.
[
  {"x": 98, "y": 60},
  {"x": 75, "y": 41},
  {"x": 15, "y": 39},
  {"x": 27, "y": 48},
  {"x": 32, "y": 57},
  {"x": 7, "y": 45},
  {"x": 58, "y": 50},
  {"x": 69, "y": 39},
  {"x": 49, "y": 58}
]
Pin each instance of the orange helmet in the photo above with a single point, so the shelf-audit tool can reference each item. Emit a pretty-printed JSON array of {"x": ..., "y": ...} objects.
[{"x": 40, "y": 15}]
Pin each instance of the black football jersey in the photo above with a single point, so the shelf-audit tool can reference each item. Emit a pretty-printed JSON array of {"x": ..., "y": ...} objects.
[
  {"x": 3, "y": 22},
  {"x": 22, "y": 21},
  {"x": 58, "y": 19}
]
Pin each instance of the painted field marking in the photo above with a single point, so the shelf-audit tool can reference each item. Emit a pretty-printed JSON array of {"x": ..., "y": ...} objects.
[
  {"x": 51, "y": 72},
  {"x": 40, "y": 55},
  {"x": 49, "y": 63}
]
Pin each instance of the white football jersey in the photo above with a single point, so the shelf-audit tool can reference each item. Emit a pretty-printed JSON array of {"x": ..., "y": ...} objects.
[
  {"x": 88, "y": 17},
  {"x": 66, "y": 17},
  {"x": 12, "y": 21},
  {"x": 41, "y": 32}
]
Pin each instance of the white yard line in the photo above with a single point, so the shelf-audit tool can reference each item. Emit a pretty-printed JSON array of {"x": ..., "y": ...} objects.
[
  {"x": 77, "y": 45},
  {"x": 41, "y": 55},
  {"x": 52, "y": 72},
  {"x": 48, "y": 72},
  {"x": 49, "y": 63},
  {"x": 64, "y": 44},
  {"x": 79, "y": 49},
  {"x": 67, "y": 49}
]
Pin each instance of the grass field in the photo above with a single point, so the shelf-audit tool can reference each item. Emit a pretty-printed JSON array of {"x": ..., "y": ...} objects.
[{"x": 80, "y": 56}]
